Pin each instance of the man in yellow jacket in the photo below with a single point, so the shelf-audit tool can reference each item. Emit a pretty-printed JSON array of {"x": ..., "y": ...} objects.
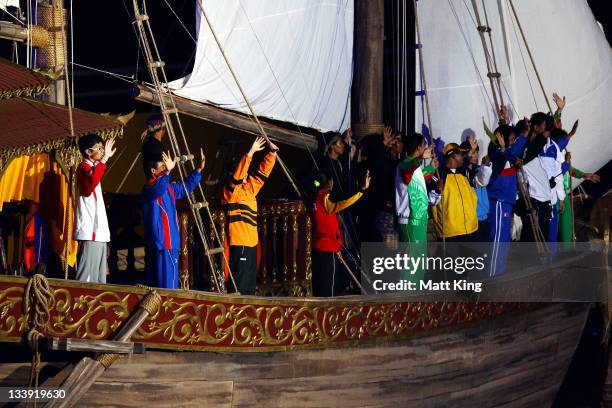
[
  {"x": 458, "y": 202},
  {"x": 240, "y": 201}
]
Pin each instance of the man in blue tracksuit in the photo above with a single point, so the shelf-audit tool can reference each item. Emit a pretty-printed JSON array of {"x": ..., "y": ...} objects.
[
  {"x": 502, "y": 189},
  {"x": 162, "y": 236}
]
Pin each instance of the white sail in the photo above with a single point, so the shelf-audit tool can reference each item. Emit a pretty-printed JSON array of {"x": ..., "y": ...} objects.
[
  {"x": 571, "y": 53},
  {"x": 293, "y": 58}
]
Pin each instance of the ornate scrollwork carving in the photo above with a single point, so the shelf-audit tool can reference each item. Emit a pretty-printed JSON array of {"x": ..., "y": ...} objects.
[{"x": 197, "y": 321}]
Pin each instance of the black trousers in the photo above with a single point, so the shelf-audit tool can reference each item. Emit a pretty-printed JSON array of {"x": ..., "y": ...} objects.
[
  {"x": 482, "y": 235},
  {"x": 463, "y": 238},
  {"x": 329, "y": 277},
  {"x": 243, "y": 264},
  {"x": 543, "y": 212}
]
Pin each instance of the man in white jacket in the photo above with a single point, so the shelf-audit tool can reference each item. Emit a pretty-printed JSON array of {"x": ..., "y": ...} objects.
[{"x": 545, "y": 179}]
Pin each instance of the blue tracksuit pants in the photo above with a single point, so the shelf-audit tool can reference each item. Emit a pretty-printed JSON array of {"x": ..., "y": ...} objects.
[
  {"x": 553, "y": 229},
  {"x": 500, "y": 234},
  {"x": 162, "y": 268}
]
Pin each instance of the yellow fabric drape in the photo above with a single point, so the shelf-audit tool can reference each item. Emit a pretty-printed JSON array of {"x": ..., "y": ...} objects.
[{"x": 40, "y": 179}]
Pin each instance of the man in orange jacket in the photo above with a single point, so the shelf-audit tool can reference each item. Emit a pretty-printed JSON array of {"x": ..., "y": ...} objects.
[{"x": 240, "y": 200}]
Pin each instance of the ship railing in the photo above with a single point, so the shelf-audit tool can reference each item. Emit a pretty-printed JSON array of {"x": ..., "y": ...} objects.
[{"x": 284, "y": 255}]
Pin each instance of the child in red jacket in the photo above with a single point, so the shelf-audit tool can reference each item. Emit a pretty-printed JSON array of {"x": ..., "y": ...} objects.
[{"x": 327, "y": 241}]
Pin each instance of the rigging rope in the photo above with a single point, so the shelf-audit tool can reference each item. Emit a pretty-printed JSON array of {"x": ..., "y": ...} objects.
[
  {"x": 195, "y": 211},
  {"x": 182, "y": 24},
  {"x": 4, "y": 12},
  {"x": 490, "y": 74},
  {"x": 254, "y": 117},
  {"x": 277, "y": 82},
  {"x": 29, "y": 34},
  {"x": 490, "y": 56},
  {"x": 244, "y": 96},
  {"x": 71, "y": 52},
  {"x": 72, "y": 135},
  {"x": 530, "y": 55},
  {"x": 126, "y": 78},
  {"x": 154, "y": 63},
  {"x": 425, "y": 90},
  {"x": 484, "y": 8},
  {"x": 518, "y": 42},
  {"x": 471, "y": 51},
  {"x": 537, "y": 232}
]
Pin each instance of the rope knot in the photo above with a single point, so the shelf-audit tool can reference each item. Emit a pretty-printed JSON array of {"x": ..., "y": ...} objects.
[{"x": 38, "y": 300}]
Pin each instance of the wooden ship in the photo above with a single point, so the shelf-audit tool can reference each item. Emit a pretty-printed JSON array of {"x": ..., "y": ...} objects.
[{"x": 134, "y": 346}]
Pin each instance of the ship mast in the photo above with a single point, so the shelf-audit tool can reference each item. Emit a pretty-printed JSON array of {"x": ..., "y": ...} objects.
[{"x": 368, "y": 55}]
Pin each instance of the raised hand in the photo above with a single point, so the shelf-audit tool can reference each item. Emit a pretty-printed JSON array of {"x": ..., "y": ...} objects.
[
  {"x": 109, "y": 148},
  {"x": 202, "y": 160},
  {"x": 428, "y": 153},
  {"x": 560, "y": 102},
  {"x": 366, "y": 181},
  {"x": 503, "y": 113},
  {"x": 592, "y": 177},
  {"x": 486, "y": 160},
  {"x": 574, "y": 129},
  {"x": 500, "y": 140},
  {"x": 168, "y": 161},
  {"x": 348, "y": 136},
  {"x": 388, "y": 136},
  {"x": 473, "y": 143},
  {"x": 258, "y": 145},
  {"x": 435, "y": 163}
]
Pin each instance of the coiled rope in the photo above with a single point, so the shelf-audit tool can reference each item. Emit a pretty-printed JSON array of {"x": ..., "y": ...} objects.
[{"x": 38, "y": 301}]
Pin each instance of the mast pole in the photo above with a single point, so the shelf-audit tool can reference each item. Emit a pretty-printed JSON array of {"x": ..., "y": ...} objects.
[{"x": 367, "y": 90}]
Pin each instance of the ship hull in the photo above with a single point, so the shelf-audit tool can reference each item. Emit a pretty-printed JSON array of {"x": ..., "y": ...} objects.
[{"x": 516, "y": 360}]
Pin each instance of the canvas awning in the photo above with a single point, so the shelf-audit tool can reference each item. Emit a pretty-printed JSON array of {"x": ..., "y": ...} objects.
[
  {"x": 31, "y": 126},
  {"x": 16, "y": 80}
]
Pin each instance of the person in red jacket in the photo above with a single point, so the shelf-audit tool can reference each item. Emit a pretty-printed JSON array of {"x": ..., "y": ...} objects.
[{"x": 327, "y": 238}]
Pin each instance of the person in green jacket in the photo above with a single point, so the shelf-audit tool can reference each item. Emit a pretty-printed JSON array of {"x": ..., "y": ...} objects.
[
  {"x": 565, "y": 212},
  {"x": 411, "y": 198}
]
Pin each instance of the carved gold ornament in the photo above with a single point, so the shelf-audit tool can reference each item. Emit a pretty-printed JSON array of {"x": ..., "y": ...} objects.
[{"x": 199, "y": 321}]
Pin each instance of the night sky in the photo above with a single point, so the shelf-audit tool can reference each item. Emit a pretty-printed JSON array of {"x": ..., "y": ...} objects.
[{"x": 106, "y": 39}]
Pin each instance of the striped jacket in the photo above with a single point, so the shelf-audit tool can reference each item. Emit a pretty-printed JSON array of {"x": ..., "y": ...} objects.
[
  {"x": 411, "y": 198},
  {"x": 240, "y": 200}
]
